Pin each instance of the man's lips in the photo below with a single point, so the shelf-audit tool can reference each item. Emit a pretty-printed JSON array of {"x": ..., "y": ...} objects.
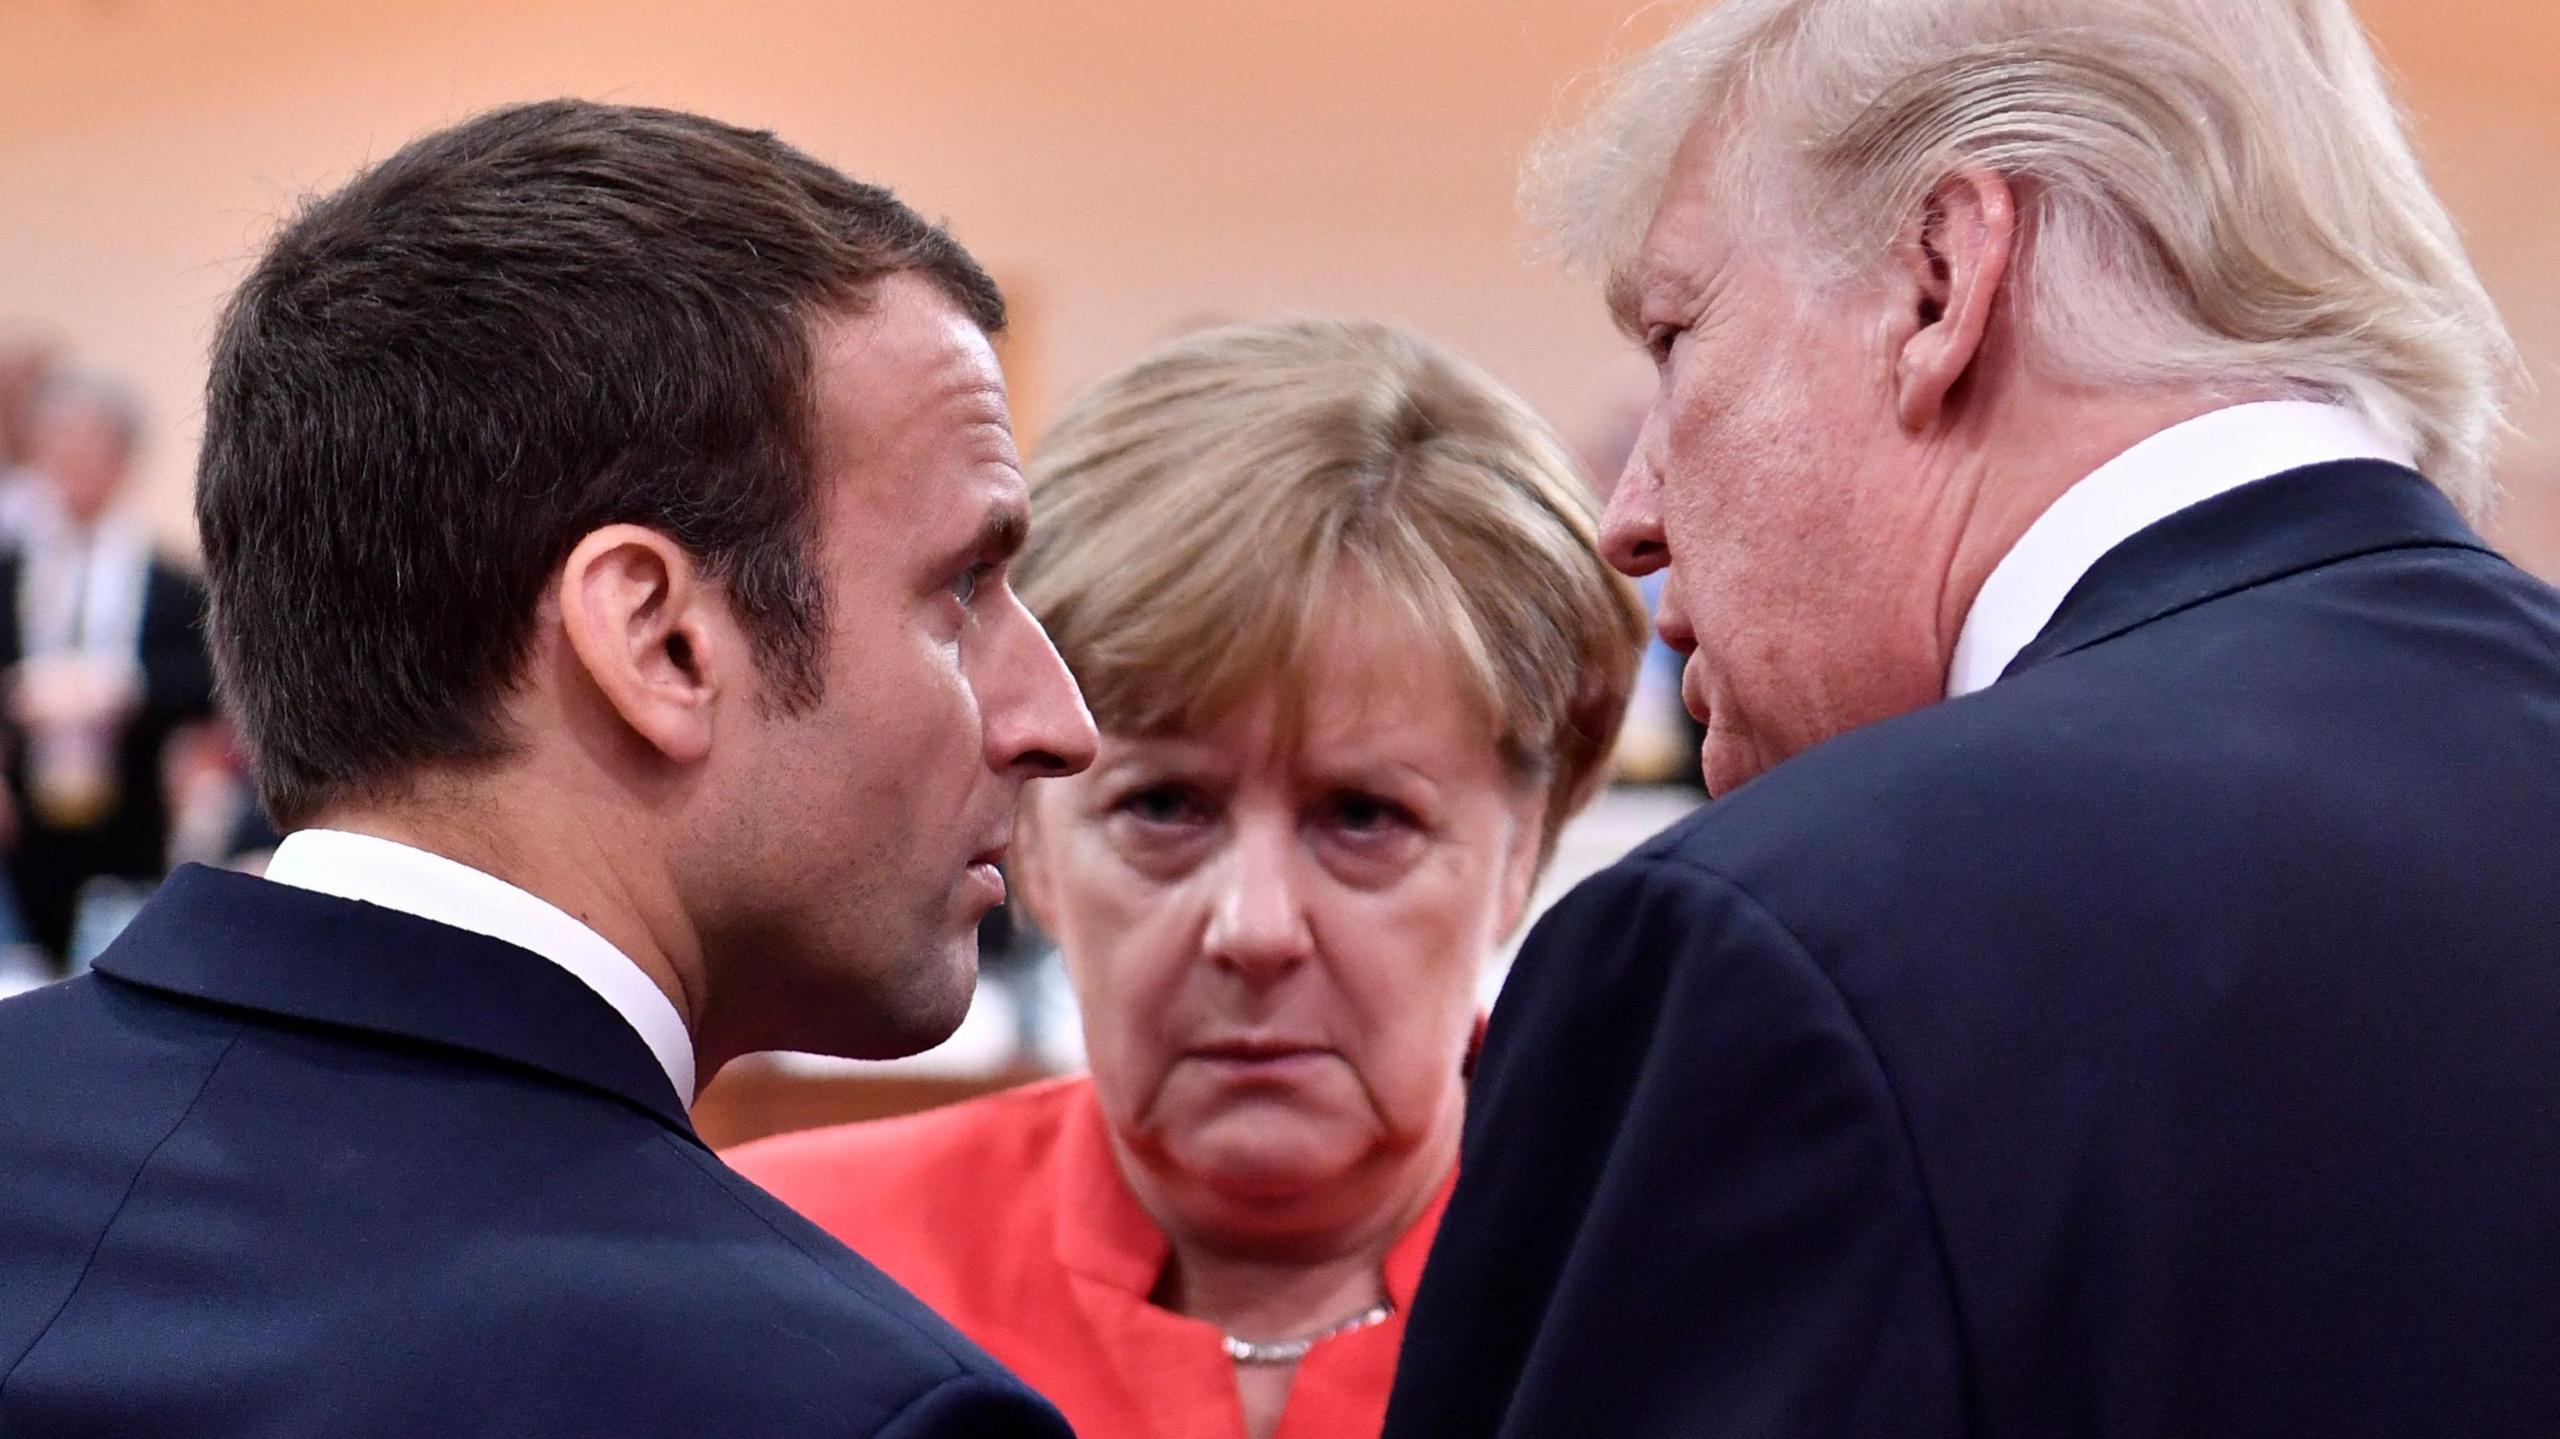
[
  {"x": 1693, "y": 690},
  {"x": 986, "y": 869},
  {"x": 1675, "y": 630},
  {"x": 1671, "y": 623}
]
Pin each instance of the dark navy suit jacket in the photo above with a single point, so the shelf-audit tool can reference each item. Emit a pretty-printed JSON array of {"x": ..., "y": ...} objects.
[
  {"x": 2162, "y": 1042},
  {"x": 292, "y": 1165}
]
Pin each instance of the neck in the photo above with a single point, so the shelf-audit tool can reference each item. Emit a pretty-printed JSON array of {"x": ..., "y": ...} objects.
[
  {"x": 557, "y": 851},
  {"x": 2007, "y": 479},
  {"x": 1269, "y": 1299},
  {"x": 1282, "y": 1279}
]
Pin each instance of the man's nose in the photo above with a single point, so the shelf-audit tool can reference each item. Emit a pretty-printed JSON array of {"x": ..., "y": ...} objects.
[
  {"x": 1631, "y": 535},
  {"x": 1258, "y": 918},
  {"x": 1037, "y": 725}
]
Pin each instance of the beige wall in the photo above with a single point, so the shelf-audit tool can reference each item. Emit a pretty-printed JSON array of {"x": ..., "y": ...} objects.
[{"x": 1127, "y": 166}]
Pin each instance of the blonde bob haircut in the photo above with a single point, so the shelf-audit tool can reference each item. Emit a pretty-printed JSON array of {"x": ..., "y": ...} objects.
[
  {"x": 1202, "y": 518},
  {"x": 2214, "y": 193}
]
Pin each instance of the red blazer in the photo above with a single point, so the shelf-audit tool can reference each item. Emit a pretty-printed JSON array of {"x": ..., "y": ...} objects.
[{"x": 1009, "y": 1216}]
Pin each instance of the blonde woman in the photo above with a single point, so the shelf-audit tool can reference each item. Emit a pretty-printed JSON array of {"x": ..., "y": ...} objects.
[{"x": 1333, "y": 597}]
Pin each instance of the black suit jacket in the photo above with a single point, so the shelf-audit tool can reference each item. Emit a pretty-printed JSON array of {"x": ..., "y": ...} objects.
[
  {"x": 2162, "y": 1042},
  {"x": 291, "y": 1165},
  {"x": 177, "y": 689}
]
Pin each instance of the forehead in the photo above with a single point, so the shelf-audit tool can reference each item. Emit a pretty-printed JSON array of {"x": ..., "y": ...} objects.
[
  {"x": 911, "y": 422},
  {"x": 1371, "y": 687},
  {"x": 1691, "y": 235}
]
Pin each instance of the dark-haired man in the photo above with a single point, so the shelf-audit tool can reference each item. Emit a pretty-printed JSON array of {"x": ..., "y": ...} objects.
[{"x": 606, "y": 512}]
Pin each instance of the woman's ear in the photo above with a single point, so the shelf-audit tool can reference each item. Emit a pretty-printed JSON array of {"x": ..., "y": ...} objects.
[
  {"x": 641, "y": 621},
  {"x": 1950, "y": 261}
]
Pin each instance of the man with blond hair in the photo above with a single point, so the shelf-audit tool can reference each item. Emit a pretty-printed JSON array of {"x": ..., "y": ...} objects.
[{"x": 2113, "y": 992}]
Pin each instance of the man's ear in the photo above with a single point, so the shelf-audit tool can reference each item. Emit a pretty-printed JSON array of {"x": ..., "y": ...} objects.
[
  {"x": 642, "y": 622},
  {"x": 1949, "y": 263}
]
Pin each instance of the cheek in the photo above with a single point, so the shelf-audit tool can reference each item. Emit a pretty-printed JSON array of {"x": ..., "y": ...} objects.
[
  {"x": 1758, "y": 512},
  {"x": 894, "y": 712},
  {"x": 1721, "y": 460},
  {"x": 1128, "y": 943},
  {"x": 911, "y": 672},
  {"x": 1405, "y": 974}
]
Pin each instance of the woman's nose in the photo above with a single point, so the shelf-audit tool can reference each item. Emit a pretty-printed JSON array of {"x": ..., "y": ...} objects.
[{"x": 1258, "y": 919}]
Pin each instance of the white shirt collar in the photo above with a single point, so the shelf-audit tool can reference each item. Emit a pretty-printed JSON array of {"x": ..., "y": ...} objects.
[
  {"x": 430, "y": 886},
  {"x": 2181, "y": 466}
]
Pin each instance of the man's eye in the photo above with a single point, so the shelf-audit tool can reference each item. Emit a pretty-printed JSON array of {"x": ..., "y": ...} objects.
[
  {"x": 965, "y": 587},
  {"x": 1658, "y": 342}
]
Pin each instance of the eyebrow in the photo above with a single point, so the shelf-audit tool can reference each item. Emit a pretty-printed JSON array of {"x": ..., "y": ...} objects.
[
  {"x": 1001, "y": 535},
  {"x": 1374, "y": 770},
  {"x": 1626, "y": 301}
]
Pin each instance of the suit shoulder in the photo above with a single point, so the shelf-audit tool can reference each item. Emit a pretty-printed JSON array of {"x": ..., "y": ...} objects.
[
  {"x": 560, "y": 1246},
  {"x": 2159, "y": 729},
  {"x": 767, "y": 1309},
  {"x": 1954, "y": 766},
  {"x": 1933, "y": 831},
  {"x": 63, "y": 1045}
]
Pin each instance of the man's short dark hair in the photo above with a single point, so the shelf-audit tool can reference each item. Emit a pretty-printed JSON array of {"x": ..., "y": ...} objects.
[{"x": 545, "y": 320}]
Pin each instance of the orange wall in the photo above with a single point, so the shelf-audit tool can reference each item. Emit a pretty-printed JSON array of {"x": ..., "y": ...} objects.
[{"x": 1127, "y": 166}]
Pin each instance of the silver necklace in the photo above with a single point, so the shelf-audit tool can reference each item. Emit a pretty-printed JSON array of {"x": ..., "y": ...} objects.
[{"x": 1290, "y": 1351}]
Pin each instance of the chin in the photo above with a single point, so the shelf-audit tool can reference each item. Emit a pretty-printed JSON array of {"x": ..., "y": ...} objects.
[
  {"x": 908, "y": 1007},
  {"x": 929, "y": 1006},
  {"x": 1251, "y": 1157},
  {"x": 1727, "y": 762}
]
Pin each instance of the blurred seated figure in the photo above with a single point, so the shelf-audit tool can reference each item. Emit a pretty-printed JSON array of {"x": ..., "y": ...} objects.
[
  {"x": 1334, "y": 599},
  {"x": 26, "y": 364},
  {"x": 102, "y": 659}
]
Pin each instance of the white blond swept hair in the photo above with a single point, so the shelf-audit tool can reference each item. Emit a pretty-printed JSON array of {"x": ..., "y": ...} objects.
[{"x": 2213, "y": 193}]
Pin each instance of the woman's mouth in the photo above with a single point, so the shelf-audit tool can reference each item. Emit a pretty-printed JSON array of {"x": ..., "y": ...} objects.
[{"x": 1259, "y": 1057}]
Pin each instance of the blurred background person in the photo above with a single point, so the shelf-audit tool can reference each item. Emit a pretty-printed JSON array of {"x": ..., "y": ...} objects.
[
  {"x": 102, "y": 648},
  {"x": 1334, "y": 598},
  {"x": 25, "y": 361},
  {"x": 25, "y": 364}
]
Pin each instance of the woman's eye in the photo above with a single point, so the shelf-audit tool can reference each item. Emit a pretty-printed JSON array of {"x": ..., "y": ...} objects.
[
  {"x": 1366, "y": 814},
  {"x": 1163, "y": 804}
]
